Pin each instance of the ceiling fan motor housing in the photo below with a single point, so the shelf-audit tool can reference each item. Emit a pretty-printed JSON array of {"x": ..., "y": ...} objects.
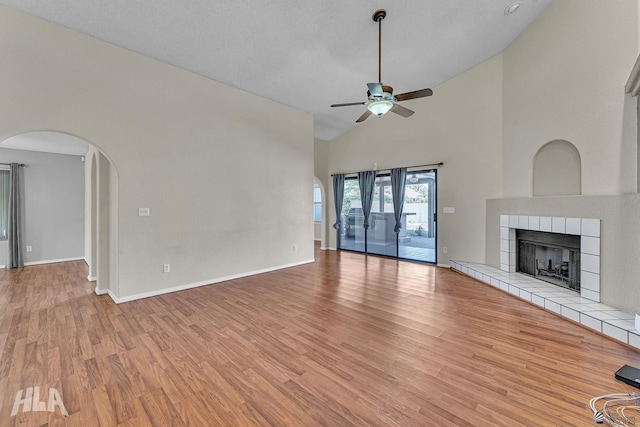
[{"x": 387, "y": 93}]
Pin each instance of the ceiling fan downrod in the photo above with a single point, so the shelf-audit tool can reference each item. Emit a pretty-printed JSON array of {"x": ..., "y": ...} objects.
[{"x": 378, "y": 16}]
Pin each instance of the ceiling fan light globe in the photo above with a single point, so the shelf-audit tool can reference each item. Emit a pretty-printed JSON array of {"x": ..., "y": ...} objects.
[{"x": 381, "y": 107}]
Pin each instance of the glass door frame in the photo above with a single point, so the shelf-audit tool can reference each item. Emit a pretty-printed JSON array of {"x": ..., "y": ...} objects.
[{"x": 434, "y": 222}]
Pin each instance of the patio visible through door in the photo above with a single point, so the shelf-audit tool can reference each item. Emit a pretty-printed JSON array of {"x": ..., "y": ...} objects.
[{"x": 417, "y": 238}]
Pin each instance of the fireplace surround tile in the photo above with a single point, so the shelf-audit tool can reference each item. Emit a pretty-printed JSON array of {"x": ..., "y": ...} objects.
[
  {"x": 622, "y": 315},
  {"x": 537, "y": 300},
  {"x": 593, "y": 296},
  {"x": 558, "y": 225},
  {"x": 587, "y": 228},
  {"x": 552, "y": 306},
  {"x": 591, "y": 322},
  {"x": 504, "y": 257},
  {"x": 590, "y": 245},
  {"x": 590, "y": 227},
  {"x": 570, "y": 313},
  {"x": 615, "y": 332},
  {"x": 590, "y": 263},
  {"x": 523, "y": 222},
  {"x": 601, "y": 315},
  {"x": 590, "y": 281},
  {"x": 573, "y": 226},
  {"x": 634, "y": 339}
]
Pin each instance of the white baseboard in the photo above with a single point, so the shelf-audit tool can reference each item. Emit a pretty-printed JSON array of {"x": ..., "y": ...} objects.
[
  {"x": 91, "y": 278},
  {"x": 52, "y": 261},
  {"x": 443, "y": 265},
  {"x": 202, "y": 283},
  {"x": 102, "y": 291}
]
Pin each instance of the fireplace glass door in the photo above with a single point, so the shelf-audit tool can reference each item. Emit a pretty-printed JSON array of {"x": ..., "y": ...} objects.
[{"x": 554, "y": 258}]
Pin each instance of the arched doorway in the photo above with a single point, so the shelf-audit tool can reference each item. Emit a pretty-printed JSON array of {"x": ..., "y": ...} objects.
[
  {"x": 319, "y": 213},
  {"x": 70, "y": 200}
]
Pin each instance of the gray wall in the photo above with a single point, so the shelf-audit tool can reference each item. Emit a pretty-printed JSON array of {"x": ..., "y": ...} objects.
[{"x": 53, "y": 204}]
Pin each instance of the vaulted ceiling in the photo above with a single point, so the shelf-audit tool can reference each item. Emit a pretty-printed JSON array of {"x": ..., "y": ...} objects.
[{"x": 305, "y": 54}]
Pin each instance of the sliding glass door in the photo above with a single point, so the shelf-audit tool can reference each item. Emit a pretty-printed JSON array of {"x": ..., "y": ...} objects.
[
  {"x": 381, "y": 237},
  {"x": 417, "y": 237},
  {"x": 352, "y": 230}
]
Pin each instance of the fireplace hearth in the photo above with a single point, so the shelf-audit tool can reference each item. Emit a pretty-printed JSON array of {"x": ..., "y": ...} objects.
[{"x": 552, "y": 257}]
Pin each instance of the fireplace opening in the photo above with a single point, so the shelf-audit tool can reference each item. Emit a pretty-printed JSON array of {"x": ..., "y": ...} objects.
[{"x": 552, "y": 257}]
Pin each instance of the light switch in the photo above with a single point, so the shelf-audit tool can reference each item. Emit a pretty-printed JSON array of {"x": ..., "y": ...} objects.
[
  {"x": 143, "y": 211},
  {"x": 449, "y": 210}
]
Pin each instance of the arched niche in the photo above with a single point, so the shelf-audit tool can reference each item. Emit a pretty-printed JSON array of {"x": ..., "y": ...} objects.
[{"x": 557, "y": 170}]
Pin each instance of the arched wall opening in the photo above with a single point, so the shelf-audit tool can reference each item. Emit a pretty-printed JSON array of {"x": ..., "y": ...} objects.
[
  {"x": 556, "y": 170},
  {"x": 323, "y": 221},
  {"x": 88, "y": 201}
]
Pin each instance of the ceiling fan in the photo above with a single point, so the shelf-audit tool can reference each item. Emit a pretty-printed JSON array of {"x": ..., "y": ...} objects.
[{"x": 380, "y": 96}]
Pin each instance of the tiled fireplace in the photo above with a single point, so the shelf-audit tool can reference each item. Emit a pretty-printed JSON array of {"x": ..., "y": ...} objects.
[{"x": 587, "y": 228}]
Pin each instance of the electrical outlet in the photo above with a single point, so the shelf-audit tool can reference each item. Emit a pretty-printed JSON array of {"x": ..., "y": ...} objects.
[
  {"x": 143, "y": 211},
  {"x": 29, "y": 248},
  {"x": 444, "y": 249},
  {"x": 166, "y": 268}
]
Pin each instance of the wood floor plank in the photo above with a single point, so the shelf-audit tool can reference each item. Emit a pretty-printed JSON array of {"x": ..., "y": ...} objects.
[{"x": 347, "y": 340}]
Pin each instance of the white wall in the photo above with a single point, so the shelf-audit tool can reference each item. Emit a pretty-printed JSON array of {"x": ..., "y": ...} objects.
[
  {"x": 564, "y": 78},
  {"x": 201, "y": 155},
  {"x": 460, "y": 125},
  {"x": 53, "y": 205}
]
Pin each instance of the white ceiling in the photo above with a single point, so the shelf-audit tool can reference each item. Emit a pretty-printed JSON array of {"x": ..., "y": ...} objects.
[
  {"x": 48, "y": 142},
  {"x": 305, "y": 54}
]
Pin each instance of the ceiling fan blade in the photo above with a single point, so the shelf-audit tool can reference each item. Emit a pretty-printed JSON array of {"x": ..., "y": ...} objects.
[
  {"x": 415, "y": 94},
  {"x": 399, "y": 109},
  {"x": 364, "y": 116},
  {"x": 348, "y": 104},
  {"x": 375, "y": 89}
]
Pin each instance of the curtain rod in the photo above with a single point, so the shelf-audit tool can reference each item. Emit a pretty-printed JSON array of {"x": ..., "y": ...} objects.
[
  {"x": 389, "y": 169},
  {"x": 9, "y": 164}
]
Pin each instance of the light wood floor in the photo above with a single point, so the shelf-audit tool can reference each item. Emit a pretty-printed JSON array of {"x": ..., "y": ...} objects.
[{"x": 347, "y": 340}]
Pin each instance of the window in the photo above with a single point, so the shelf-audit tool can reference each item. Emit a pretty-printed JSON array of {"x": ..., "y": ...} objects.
[
  {"x": 4, "y": 204},
  {"x": 317, "y": 203}
]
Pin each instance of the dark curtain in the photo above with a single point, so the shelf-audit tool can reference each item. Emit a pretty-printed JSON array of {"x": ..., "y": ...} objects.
[
  {"x": 398, "y": 178},
  {"x": 14, "y": 258},
  {"x": 367, "y": 182},
  {"x": 338, "y": 195}
]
